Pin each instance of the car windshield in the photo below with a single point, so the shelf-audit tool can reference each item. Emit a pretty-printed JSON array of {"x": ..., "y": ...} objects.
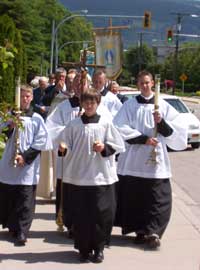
[
  {"x": 129, "y": 95},
  {"x": 177, "y": 104}
]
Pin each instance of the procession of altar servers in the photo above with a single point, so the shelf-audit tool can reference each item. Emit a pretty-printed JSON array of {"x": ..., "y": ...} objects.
[
  {"x": 137, "y": 187},
  {"x": 140, "y": 201}
]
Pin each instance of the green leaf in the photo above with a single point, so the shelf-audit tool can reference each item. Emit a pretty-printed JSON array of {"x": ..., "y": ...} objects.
[
  {"x": 4, "y": 65},
  {"x": 9, "y": 55}
]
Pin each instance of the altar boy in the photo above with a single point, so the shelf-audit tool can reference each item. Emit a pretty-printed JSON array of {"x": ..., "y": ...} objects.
[
  {"x": 145, "y": 197},
  {"x": 92, "y": 142},
  {"x": 19, "y": 168}
]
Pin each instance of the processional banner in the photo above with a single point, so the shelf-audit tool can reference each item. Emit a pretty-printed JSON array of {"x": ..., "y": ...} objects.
[{"x": 108, "y": 53}]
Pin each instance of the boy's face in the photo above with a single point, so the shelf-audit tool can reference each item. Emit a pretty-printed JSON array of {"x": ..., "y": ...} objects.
[
  {"x": 25, "y": 99},
  {"x": 90, "y": 107},
  {"x": 145, "y": 85}
]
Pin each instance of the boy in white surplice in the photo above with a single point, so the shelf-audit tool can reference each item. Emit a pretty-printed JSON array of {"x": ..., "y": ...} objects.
[
  {"x": 18, "y": 183},
  {"x": 92, "y": 142}
]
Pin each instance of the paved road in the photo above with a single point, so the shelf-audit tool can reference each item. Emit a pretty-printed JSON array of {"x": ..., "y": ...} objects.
[
  {"x": 186, "y": 174},
  {"x": 194, "y": 107},
  {"x": 185, "y": 167}
]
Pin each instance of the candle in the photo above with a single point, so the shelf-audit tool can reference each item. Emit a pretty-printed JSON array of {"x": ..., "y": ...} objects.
[
  {"x": 17, "y": 94},
  {"x": 157, "y": 90}
]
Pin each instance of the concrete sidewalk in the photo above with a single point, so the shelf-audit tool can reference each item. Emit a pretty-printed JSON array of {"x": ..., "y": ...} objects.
[
  {"x": 48, "y": 249},
  {"x": 191, "y": 99}
]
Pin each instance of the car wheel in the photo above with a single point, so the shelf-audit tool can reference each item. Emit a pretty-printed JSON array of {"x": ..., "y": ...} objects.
[
  {"x": 169, "y": 149},
  {"x": 195, "y": 145}
]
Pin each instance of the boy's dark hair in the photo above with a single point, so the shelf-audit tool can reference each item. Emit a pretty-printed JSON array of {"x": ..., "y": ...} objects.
[
  {"x": 91, "y": 94},
  {"x": 144, "y": 73}
]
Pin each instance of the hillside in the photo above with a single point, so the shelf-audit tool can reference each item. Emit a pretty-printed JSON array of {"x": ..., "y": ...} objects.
[{"x": 161, "y": 15}]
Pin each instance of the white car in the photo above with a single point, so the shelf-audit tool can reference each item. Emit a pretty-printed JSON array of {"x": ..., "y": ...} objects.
[
  {"x": 185, "y": 115},
  {"x": 188, "y": 117}
]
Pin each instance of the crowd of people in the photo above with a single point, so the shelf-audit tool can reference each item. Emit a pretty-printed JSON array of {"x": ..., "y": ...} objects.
[{"x": 101, "y": 148}]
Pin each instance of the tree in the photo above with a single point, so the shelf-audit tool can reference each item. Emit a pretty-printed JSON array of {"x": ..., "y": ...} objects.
[
  {"x": 188, "y": 63},
  {"x": 11, "y": 58},
  {"x": 34, "y": 20},
  {"x": 6, "y": 58},
  {"x": 134, "y": 58},
  {"x": 7, "y": 28}
]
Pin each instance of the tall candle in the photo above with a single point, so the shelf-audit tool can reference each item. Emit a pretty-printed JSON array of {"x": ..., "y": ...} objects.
[
  {"x": 17, "y": 93},
  {"x": 157, "y": 90}
]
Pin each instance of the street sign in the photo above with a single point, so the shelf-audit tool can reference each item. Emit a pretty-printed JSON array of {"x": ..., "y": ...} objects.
[{"x": 183, "y": 77}]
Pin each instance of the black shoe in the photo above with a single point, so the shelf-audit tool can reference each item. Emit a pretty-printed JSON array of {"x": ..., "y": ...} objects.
[
  {"x": 140, "y": 239},
  {"x": 20, "y": 239},
  {"x": 84, "y": 258},
  {"x": 98, "y": 257},
  {"x": 153, "y": 242}
]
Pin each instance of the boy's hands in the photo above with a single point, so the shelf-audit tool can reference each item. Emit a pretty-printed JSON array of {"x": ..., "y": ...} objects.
[
  {"x": 98, "y": 146},
  {"x": 157, "y": 117},
  {"x": 152, "y": 141},
  {"x": 20, "y": 160},
  {"x": 62, "y": 147}
]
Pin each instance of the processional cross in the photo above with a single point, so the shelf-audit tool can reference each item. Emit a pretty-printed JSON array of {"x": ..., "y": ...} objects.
[{"x": 82, "y": 65}]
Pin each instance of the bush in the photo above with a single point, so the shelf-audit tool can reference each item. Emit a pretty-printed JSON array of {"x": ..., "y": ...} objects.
[
  {"x": 2, "y": 146},
  {"x": 197, "y": 93}
]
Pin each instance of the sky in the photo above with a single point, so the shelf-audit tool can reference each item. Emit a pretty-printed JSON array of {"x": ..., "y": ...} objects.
[{"x": 161, "y": 11}]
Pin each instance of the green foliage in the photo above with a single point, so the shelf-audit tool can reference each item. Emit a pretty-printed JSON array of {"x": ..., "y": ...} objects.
[
  {"x": 10, "y": 57},
  {"x": 136, "y": 57},
  {"x": 188, "y": 63},
  {"x": 2, "y": 146},
  {"x": 197, "y": 93},
  {"x": 6, "y": 116},
  {"x": 6, "y": 57},
  {"x": 34, "y": 20}
]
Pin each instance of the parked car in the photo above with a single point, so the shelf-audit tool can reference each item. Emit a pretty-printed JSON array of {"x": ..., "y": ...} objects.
[
  {"x": 185, "y": 115},
  {"x": 188, "y": 117}
]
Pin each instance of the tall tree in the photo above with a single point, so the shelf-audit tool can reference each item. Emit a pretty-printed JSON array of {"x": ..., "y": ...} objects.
[
  {"x": 12, "y": 42},
  {"x": 7, "y": 30},
  {"x": 34, "y": 20},
  {"x": 137, "y": 57}
]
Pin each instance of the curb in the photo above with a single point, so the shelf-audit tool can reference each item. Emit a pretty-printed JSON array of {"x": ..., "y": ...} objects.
[{"x": 192, "y": 100}]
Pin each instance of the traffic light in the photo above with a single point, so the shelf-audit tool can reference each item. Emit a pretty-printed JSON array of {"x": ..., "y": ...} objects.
[
  {"x": 147, "y": 19},
  {"x": 169, "y": 35}
]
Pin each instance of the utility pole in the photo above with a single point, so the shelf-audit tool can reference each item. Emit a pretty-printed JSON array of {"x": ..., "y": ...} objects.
[
  {"x": 140, "y": 58},
  {"x": 52, "y": 46},
  {"x": 178, "y": 30}
]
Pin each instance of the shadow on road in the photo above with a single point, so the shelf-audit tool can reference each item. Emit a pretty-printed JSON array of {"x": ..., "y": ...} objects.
[
  {"x": 44, "y": 216},
  {"x": 69, "y": 257}
]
